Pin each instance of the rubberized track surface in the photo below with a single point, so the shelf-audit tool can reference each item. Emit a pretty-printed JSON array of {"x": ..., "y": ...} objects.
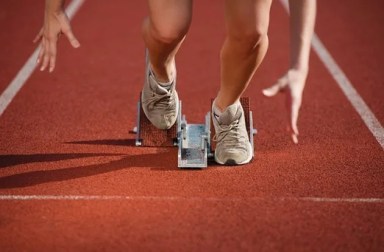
[{"x": 71, "y": 178}]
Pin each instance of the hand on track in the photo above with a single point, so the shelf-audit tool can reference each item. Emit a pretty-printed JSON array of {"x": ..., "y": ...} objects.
[
  {"x": 55, "y": 24},
  {"x": 292, "y": 84}
]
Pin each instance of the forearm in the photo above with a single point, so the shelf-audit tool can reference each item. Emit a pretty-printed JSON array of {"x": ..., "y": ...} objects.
[{"x": 302, "y": 22}]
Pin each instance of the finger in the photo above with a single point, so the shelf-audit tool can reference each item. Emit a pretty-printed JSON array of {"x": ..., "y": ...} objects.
[
  {"x": 45, "y": 57},
  {"x": 72, "y": 39},
  {"x": 41, "y": 52},
  {"x": 275, "y": 88},
  {"x": 271, "y": 91},
  {"x": 38, "y": 36},
  {"x": 296, "y": 95},
  {"x": 52, "y": 55},
  {"x": 45, "y": 62},
  {"x": 294, "y": 138},
  {"x": 294, "y": 116},
  {"x": 293, "y": 106}
]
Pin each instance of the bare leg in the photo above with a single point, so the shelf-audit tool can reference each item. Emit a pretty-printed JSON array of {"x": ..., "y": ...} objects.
[
  {"x": 244, "y": 48},
  {"x": 164, "y": 31}
]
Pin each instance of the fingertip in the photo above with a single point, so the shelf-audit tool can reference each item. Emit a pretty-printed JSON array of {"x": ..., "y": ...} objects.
[
  {"x": 271, "y": 91},
  {"x": 295, "y": 139},
  {"x": 75, "y": 43},
  {"x": 264, "y": 92},
  {"x": 267, "y": 92},
  {"x": 295, "y": 130}
]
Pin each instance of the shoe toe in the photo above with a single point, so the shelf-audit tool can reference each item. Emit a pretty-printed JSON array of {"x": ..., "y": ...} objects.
[{"x": 232, "y": 157}]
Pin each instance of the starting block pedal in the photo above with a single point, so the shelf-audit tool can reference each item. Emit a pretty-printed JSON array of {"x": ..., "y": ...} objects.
[
  {"x": 194, "y": 141},
  {"x": 149, "y": 136}
]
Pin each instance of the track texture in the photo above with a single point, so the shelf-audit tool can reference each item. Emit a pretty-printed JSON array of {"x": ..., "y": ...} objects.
[{"x": 67, "y": 133}]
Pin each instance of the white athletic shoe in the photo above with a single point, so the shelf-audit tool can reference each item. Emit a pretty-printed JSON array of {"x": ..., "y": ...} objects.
[
  {"x": 232, "y": 142},
  {"x": 160, "y": 103}
]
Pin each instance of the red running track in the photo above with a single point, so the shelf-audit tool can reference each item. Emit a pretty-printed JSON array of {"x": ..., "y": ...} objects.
[{"x": 66, "y": 134}]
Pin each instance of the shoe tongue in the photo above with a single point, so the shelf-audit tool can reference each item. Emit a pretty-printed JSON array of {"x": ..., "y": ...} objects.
[
  {"x": 157, "y": 87},
  {"x": 230, "y": 114}
]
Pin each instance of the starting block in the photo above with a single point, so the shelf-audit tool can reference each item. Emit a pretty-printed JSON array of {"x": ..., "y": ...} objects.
[{"x": 193, "y": 140}]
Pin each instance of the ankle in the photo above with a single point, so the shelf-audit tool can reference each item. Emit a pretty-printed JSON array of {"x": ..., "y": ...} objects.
[
  {"x": 165, "y": 75},
  {"x": 160, "y": 75},
  {"x": 222, "y": 104}
]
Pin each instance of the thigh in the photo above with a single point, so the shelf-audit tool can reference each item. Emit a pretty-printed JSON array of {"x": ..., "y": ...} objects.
[
  {"x": 247, "y": 16},
  {"x": 169, "y": 16}
]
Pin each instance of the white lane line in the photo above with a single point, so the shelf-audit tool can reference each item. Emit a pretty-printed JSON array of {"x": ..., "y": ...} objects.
[
  {"x": 343, "y": 200},
  {"x": 26, "y": 71},
  {"x": 179, "y": 198},
  {"x": 346, "y": 86}
]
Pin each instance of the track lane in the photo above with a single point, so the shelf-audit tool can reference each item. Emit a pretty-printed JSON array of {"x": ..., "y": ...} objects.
[
  {"x": 357, "y": 45},
  {"x": 190, "y": 226},
  {"x": 18, "y": 29}
]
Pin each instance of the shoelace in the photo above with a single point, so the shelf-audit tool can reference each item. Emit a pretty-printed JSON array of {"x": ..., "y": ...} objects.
[
  {"x": 230, "y": 135},
  {"x": 161, "y": 101}
]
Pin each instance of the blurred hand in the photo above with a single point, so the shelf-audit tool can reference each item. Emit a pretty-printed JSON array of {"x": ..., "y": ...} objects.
[
  {"x": 292, "y": 84},
  {"x": 55, "y": 24}
]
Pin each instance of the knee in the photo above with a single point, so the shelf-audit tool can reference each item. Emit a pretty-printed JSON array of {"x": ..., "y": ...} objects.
[
  {"x": 249, "y": 39},
  {"x": 169, "y": 34}
]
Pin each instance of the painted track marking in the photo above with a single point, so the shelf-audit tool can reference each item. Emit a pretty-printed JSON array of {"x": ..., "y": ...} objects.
[
  {"x": 178, "y": 198},
  {"x": 26, "y": 71},
  {"x": 346, "y": 86}
]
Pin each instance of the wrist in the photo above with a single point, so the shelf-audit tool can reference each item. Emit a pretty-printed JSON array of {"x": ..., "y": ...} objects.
[
  {"x": 54, "y": 7},
  {"x": 303, "y": 69}
]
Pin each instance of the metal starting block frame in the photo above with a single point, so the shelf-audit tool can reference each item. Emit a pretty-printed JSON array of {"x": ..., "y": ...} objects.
[{"x": 193, "y": 140}]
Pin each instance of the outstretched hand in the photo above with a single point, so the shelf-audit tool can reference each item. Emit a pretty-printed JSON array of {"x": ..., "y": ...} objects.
[
  {"x": 55, "y": 24},
  {"x": 292, "y": 84}
]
